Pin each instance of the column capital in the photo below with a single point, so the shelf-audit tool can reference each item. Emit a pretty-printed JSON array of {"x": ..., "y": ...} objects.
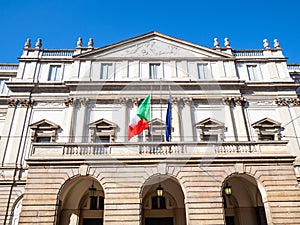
[
  {"x": 26, "y": 103},
  {"x": 69, "y": 102},
  {"x": 124, "y": 101},
  {"x": 187, "y": 101},
  {"x": 12, "y": 103},
  {"x": 287, "y": 101}
]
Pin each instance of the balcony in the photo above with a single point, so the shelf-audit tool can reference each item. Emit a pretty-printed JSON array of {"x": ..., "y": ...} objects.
[{"x": 140, "y": 150}]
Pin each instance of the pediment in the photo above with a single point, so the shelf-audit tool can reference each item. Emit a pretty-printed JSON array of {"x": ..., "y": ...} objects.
[
  {"x": 209, "y": 122},
  {"x": 266, "y": 122},
  {"x": 102, "y": 123},
  {"x": 153, "y": 45},
  {"x": 44, "y": 124},
  {"x": 157, "y": 122}
]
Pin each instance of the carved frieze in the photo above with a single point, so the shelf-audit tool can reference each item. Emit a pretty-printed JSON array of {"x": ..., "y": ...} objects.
[
  {"x": 152, "y": 48},
  {"x": 26, "y": 103},
  {"x": 287, "y": 101},
  {"x": 12, "y": 103},
  {"x": 234, "y": 101},
  {"x": 69, "y": 102}
]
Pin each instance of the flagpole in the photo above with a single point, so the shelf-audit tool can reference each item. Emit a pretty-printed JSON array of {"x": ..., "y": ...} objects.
[
  {"x": 161, "y": 131},
  {"x": 170, "y": 95}
]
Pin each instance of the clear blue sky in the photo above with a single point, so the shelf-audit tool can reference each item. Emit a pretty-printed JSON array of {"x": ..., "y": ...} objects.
[{"x": 60, "y": 22}]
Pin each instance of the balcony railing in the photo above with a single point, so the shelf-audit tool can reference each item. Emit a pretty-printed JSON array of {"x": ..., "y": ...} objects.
[
  {"x": 254, "y": 52},
  {"x": 58, "y": 52},
  {"x": 294, "y": 67},
  {"x": 9, "y": 66},
  {"x": 90, "y": 150}
]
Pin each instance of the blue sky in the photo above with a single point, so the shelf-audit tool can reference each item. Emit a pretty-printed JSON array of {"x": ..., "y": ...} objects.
[{"x": 60, "y": 22}]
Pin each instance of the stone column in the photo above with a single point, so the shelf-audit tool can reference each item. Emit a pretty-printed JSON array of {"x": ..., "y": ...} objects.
[
  {"x": 176, "y": 123},
  {"x": 242, "y": 129},
  {"x": 68, "y": 119},
  {"x": 231, "y": 133},
  {"x": 187, "y": 126},
  {"x": 7, "y": 128},
  {"x": 123, "y": 119},
  {"x": 80, "y": 129}
]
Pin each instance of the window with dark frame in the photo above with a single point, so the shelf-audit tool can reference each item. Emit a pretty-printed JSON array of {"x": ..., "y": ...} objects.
[
  {"x": 54, "y": 73},
  {"x": 154, "y": 71}
]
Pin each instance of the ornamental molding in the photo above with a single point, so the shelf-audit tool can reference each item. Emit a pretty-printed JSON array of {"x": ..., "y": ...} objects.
[
  {"x": 69, "y": 102},
  {"x": 234, "y": 101},
  {"x": 26, "y": 103},
  {"x": 287, "y": 101},
  {"x": 152, "y": 48},
  {"x": 12, "y": 103}
]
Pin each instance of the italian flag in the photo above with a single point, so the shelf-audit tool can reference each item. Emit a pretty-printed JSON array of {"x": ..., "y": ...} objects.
[{"x": 140, "y": 120}]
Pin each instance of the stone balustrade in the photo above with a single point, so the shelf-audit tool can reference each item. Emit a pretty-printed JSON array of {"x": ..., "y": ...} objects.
[
  {"x": 247, "y": 53},
  {"x": 9, "y": 66},
  {"x": 58, "y": 52},
  {"x": 90, "y": 150}
]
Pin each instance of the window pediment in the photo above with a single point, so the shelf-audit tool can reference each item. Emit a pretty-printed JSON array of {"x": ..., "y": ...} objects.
[
  {"x": 102, "y": 131},
  {"x": 266, "y": 122},
  {"x": 209, "y": 122},
  {"x": 267, "y": 129},
  {"x": 44, "y": 131},
  {"x": 210, "y": 130}
]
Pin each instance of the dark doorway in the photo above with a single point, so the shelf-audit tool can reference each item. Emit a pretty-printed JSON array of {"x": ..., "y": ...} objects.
[
  {"x": 229, "y": 220},
  {"x": 92, "y": 221},
  {"x": 159, "y": 221}
]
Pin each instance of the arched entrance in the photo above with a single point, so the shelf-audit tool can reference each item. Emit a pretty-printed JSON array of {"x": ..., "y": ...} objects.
[
  {"x": 163, "y": 202},
  {"x": 242, "y": 200},
  {"x": 81, "y": 202}
]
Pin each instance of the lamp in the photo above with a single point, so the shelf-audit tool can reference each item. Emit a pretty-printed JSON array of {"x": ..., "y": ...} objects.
[
  {"x": 92, "y": 190},
  {"x": 227, "y": 190},
  {"x": 159, "y": 191}
]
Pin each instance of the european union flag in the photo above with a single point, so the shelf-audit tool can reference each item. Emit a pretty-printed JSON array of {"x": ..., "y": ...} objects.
[{"x": 168, "y": 121}]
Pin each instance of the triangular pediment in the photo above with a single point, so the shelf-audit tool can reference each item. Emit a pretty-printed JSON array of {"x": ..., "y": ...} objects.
[
  {"x": 44, "y": 124},
  {"x": 102, "y": 123},
  {"x": 153, "y": 45},
  {"x": 157, "y": 122},
  {"x": 209, "y": 122},
  {"x": 266, "y": 122}
]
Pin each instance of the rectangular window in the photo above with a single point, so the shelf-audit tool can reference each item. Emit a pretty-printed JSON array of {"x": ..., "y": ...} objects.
[
  {"x": 212, "y": 138},
  {"x": 102, "y": 139},
  {"x": 158, "y": 202},
  {"x": 267, "y": 137},
  {"x": 106, "y": 71},
  {"x": 3, "y": 87},
  {"x": 203, "y": 71},
  {"x": 55, "y": 73},
  {"x": 154, "y": 71},
  {"x": 43, "y": 139},
  {"x": 252, "y": 72}
]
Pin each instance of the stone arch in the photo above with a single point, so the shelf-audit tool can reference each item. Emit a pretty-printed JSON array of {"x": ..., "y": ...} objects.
[
  {"x": 245, "y": 205},
  {"x": 168, "y": 208},
  {"x": 16, "y": 211},
  {"x": 77, "y": 198}
]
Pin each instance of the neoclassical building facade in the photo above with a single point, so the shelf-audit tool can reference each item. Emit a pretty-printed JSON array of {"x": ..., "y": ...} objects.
[{"x": 233, "y": 155}]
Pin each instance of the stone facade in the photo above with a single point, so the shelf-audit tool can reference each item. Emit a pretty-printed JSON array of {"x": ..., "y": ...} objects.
[{"x": 66, "y": 159}]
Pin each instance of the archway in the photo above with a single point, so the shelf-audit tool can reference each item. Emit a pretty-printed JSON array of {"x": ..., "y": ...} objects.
[
  {"x": 244, "y": 205},
  {"x": 16, "y": 211},
  {"x": 166, "y": 208},
  {"x": 81, "y": 202}
]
